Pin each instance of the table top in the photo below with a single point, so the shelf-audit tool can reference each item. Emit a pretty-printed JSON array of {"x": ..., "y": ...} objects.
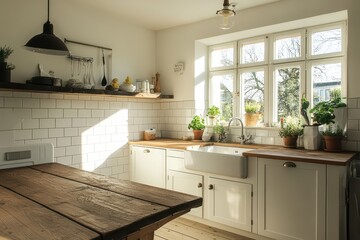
[{"x": 54, "y": 201}]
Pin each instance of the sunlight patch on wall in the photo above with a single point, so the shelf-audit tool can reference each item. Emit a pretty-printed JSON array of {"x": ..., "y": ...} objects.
[{"x": 102, "y": 143}]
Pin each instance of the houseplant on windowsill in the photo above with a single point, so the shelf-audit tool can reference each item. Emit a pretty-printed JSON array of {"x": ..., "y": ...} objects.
[
  {"x": 219, "y": 130},
  {"x": 197, "y": 124},
  {"x": 332, "y": 138},
  {"x": 212, "y": 113},
  {"x": 5, "y": 68},
  {"x": 312, "y": 137},
  {"x": 252, "y": 114},
  {"x": 290, "y": 130}
]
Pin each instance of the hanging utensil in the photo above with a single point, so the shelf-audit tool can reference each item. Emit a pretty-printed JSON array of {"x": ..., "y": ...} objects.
[{"x": 104, "y": 81}]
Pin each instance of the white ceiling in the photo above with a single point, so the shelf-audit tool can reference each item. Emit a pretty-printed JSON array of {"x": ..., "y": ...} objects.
[{"x": 162, "y": 14}]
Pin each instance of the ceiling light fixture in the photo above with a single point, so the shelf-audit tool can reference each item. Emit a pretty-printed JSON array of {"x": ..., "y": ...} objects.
[
  {"x": 226, "y": 15},
  {"x": 46, "y": 42}
]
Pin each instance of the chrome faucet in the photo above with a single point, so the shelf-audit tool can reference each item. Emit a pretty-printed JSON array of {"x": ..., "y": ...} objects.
[{"x": 243, "y": 139}]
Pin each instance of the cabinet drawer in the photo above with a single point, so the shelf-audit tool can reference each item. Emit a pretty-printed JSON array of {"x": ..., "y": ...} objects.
[
  {"x": 175, "y": 153},
  {"x": 176, "y": 164}
]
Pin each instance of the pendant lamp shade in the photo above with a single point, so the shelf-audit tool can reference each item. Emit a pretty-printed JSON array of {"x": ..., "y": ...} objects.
[
  {"x": 226, "y": 15},
  {"x": 46, "y": 42}
]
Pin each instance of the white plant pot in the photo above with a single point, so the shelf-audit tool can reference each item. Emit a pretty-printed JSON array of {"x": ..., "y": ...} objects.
[{"x": 312, "y": 137}]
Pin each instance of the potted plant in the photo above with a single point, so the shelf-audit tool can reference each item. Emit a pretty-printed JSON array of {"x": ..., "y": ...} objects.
[
  {"x": 197, "y": 124},
  {"x": 219, "y": 130},
  {"x": 212, "y": 113},
  {"x": 291, "y": 129},
  {"x": 332, "y": 138},
  {"x": 5, "y": 68},
  {"x": 252, "y": 114},
  {"x": 312, "y": 137}
]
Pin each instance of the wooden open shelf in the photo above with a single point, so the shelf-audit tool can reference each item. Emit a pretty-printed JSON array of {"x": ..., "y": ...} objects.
[{"x": 44, "y": 88}]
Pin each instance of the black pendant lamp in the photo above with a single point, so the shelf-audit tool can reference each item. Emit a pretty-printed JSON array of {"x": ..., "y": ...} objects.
[{"x": 47, "y": 42}]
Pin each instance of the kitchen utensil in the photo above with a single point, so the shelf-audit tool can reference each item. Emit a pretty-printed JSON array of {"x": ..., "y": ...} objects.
[{"x": 104, "y": 81}]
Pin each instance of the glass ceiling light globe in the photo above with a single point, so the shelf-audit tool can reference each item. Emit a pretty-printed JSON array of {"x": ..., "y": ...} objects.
[{"x": 226, "y": 19}]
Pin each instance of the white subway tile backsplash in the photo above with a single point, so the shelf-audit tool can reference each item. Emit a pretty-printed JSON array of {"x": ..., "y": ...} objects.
[
  {"x": 59, "y": 152},
  {"x": 39, "y": 113},
  {"x": 63, "y": 142},
  {"x": 21, "y": 94},
  {"x": 79, "y": 122},
  {"x": 71, "y": 132},
  {"x": 353, "y": 114},
  {"x": 91, "y": 105},
  {"x": 73, "y": 150},
  {"x": 352, "y": 103},
  {"x": 56, "y": 132},
  {"x": 30, "y": 124},
  {"x": 47, "y": 103},
  {"x": 70, "y": 113},
  {"x": 47, "y": 123},
  {"x": 78, "y": 104},
  {"x": 13, "y": 102},
  {"x": 22, "y": 135},
  {"x": 56, "y": 96},
  {"x": 353, "y": 124},
  {"x": 31, "y": 103},
  {"x": 40, "y": 95},
  {"x": 40, "y": 133},
  {"x": 5, "y": 93},
  {"x": 63, "y": 123},
  {"x": 63, "y": 103},
  {"x": 84, "y": 113}
]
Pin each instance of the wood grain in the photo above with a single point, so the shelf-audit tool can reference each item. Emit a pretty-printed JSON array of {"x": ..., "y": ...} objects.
[
  {"x": 177, "y": 201},
  {"x": 22, "y": 219},
  {"x": 110, "y": 207},
  {"x": 321, "y": 157}
]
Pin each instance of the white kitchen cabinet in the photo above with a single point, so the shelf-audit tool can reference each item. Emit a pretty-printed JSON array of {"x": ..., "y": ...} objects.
[
  {"x": 148, "y": 166},
  {"x": 230, "y": 203},
  {"x": 187, "y": 183},
  {"x": 291, "y": 200}
]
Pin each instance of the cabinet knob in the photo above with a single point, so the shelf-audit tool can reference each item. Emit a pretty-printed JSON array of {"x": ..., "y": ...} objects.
[
  {"x": 199, "y": 185},
  {"x": 289, "y": 165},
  {"x": 211, "y": 187},
  {"x": 146, "y": 151}
]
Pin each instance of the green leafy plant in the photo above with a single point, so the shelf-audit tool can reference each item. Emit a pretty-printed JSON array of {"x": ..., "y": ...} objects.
[
  {"x": 252, "y": 107},
  {"x": 197, "y": 123},
  {"x": 291, "y": 127},
  {"x": 334, "y": 131},
  {"x": 220, "y": 130},
  {"x": 323, "y": 112},
  {"x": 213, "y": 111},
  {"x": 5, "y": 52},
  {"x": 304, "y": 109}
]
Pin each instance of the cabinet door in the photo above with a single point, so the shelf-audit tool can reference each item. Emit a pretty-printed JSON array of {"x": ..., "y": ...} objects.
[
  {"x": 148, "y": 166},
  {"x": 230, "y": 203},
  {"x": 187, "y": 183},
  {"x": 291, "y": 197}
]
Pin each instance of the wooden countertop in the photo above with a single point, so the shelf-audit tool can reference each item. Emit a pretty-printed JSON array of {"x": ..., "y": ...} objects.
[
  {"x": 264, "y": 151},
  {"x": 53, "y": 201}
]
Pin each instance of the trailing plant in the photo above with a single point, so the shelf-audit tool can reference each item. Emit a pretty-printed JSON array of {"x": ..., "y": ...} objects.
[
  {"x": 304, "y": 109},
  {"x": 252, "y": 107},
  {"x": 291, "y": 127},
  {"x": 197, "y": 123},
  {"x": 213, "y": 111},
  {"x": 5, "y": 52}
]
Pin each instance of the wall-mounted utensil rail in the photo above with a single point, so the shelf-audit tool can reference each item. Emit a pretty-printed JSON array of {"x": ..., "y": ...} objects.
[
  {"x": 81, "y": 59},
  {"x": 86, "y": 44}
]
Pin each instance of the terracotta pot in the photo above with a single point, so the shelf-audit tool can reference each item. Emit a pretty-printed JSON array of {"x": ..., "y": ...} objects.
[
  {"x": 251, "y": 119},
  {"x": 332, "y": 143},
  {"x": 290, "y": 141},
  {"x": 198, "y": 134}
]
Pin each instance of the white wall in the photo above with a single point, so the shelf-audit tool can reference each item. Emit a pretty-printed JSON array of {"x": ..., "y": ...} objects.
[
  {"x": 133, "y": 47},
  {"x": 179, "y": 43}
]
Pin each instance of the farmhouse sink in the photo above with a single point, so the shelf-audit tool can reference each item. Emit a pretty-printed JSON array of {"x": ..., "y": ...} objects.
[{"x": 227, "y": 161}]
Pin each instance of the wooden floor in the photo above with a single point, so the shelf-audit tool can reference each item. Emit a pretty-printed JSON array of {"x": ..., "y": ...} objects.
[{"x": 183, "y": 229}]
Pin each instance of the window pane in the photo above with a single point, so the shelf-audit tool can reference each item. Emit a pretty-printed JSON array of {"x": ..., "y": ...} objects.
[
  {"x": 325, "y": 78},
  {"x": 289, "y": 47},
  {"x": 222, "y": 57},
  {"x": 326, "y": 42},
  {"x": 288, "y": 92},
  {"x": 253, "y": 88},
  {"x": 253, "y": 53},
  {"x": 221, "y": 94}
]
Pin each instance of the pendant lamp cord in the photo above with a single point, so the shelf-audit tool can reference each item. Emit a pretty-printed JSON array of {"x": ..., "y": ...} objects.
[{"x": 48, "y": 10}]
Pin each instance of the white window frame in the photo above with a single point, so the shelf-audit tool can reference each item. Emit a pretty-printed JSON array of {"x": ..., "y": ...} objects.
[
  {"x": 285, "y": 35},
  {"x": 310, "y": 31},
  {"x": 264, "y": 39},
  {"x": 223, "y": 46},
  {"x": 310, "y": 64},
  {"x": 273, "y": 85},
  {"x": 239, "y": 100}
]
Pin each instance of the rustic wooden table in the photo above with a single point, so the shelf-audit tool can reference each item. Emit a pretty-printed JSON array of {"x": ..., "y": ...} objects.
[{"x": 53, "y": 201}]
